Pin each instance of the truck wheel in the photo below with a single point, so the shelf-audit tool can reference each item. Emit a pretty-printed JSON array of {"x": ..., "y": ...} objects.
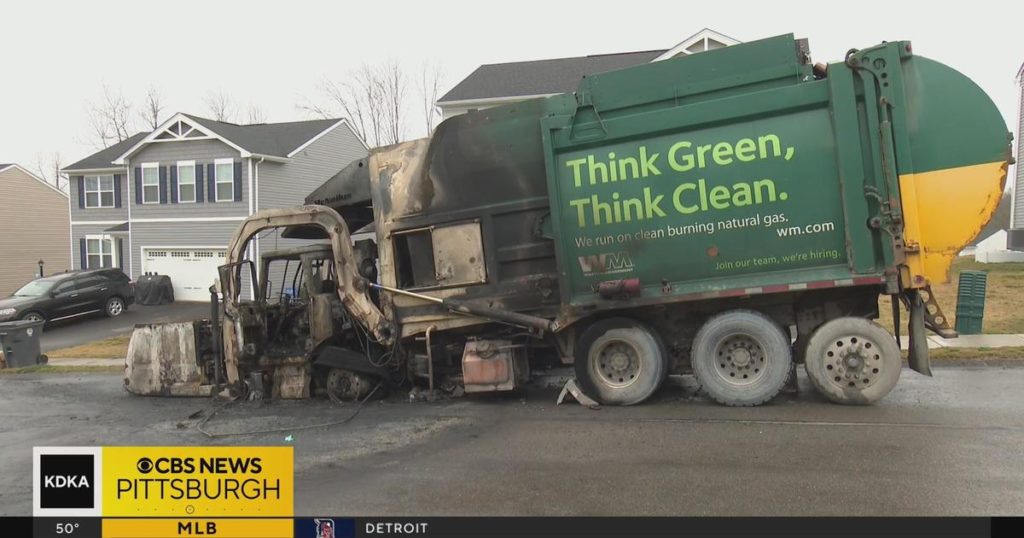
[
  {"x": 853, "y": 361},
  {"x": 620, "y": 361},
  {"x": 741, "y": 358}
]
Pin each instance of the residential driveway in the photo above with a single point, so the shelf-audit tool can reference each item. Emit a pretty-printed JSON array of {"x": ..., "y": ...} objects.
[
  {"x": 948, "y": 445},
  {"x": 74, "y": 331}
]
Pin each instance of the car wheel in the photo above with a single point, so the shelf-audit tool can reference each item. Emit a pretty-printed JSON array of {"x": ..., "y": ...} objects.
[
  {"x": 620, "y": 361},
  {"x": 741, "y": 358},
  {"x": 33, "y": 316},
  {"x": 115, "y": 307},
  {"x": 853, "y": 361}
]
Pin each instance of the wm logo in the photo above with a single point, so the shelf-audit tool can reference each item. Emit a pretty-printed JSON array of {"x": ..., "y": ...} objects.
[{"x": 615, "y": 262}]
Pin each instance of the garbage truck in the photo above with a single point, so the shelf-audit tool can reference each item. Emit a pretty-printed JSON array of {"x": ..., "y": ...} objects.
[{"x": 727, "y": 214}]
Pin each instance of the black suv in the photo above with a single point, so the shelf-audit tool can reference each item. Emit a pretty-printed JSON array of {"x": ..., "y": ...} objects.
[{"x": 70, "y": 294}]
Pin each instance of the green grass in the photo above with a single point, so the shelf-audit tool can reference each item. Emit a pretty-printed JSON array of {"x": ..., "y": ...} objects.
[
  {"x": 1003, "y": 298},
  {"x": 115, "y": 347}
]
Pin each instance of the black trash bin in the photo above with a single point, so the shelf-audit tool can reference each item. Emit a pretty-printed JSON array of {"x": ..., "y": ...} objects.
[{"x": 20, "y": 342}]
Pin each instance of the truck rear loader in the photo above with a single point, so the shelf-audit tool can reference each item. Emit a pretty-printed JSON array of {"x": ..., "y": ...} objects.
[{"x": 725, "y": 214}]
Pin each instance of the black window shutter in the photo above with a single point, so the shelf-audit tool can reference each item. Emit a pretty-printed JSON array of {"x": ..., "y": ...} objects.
[
  {"x": 163, "y": 184},
  {"x": 199, "y": 183},
  {"x": 174, "y": 183},
  {"x": 83, "y": 261},
  {"x": 238, "y": 182},
  {"x": 138, "y": 185},
  {"x": 81, "y": 191},
  {"x": 117, "y": 190},
  {"x": 120, "y": 254},
  {"x": 211, "y": 180}
]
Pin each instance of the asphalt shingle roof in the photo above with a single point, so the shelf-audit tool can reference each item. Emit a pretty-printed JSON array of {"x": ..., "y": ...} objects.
[
  {"x": 540, "y": 77},
  {"x": 105, "y": 157},
  {"x": 2, "y": 166},
  {"x": 278, "y": 139}
]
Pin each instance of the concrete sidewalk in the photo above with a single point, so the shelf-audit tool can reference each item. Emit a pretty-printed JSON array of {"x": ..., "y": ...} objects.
[{"x": 971, "y": 340}]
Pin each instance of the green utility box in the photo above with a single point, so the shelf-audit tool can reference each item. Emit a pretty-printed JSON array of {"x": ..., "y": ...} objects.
[{"x": 970, "y": 301}]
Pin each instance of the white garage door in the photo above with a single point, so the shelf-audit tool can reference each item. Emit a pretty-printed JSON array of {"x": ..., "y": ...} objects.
[{"x": 192, "y": 270}]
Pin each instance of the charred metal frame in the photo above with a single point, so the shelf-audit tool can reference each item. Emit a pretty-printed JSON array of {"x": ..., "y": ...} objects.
[{"x": 352, "y": 288}]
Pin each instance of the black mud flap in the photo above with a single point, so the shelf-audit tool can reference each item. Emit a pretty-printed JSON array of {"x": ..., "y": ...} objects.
[{"x": 918, "y": 349}]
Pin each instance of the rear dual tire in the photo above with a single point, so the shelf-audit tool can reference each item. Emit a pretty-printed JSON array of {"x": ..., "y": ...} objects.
[{"x": 853, "y": 361}]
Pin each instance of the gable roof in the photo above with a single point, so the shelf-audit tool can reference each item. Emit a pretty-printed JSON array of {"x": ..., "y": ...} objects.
[
  {"x": 6, "y": 167},
  {"x": 540, "y": 77},
  {"x": 104, "y": 158},
  {"x": 277, "y": 141}
]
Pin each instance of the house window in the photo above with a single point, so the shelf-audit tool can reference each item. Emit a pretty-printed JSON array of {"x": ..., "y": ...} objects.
[
  {"x": 225, "y": 173},
  {"x": 150, "y": 183},
  {"x": 99, "y": 250},
  {"x": 99, "y": 191},
  {"x": 186, "y": 181}
]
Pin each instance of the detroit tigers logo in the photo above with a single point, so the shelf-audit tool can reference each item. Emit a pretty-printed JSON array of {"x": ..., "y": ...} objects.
[{"x": 324, "y": 528}]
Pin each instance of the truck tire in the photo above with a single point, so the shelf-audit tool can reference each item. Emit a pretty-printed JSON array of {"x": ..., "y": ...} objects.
[
  {"x": 741, "y": 358},
  {"x": 853, "y": 361},
  {"x": 620, "y": 361}
]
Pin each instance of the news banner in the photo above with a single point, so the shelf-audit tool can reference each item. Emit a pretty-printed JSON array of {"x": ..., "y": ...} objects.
[{"x": 248, "y": 492}]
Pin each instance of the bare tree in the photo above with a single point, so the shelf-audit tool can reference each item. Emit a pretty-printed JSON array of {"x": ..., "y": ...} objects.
[
  {"x": 373, "y": 99},
  {"x": 220, "y": 106},
  {"x": 430, "y": 88},
  {"x": 393, "y": 93},
  {"x": 110, "y": 118},
  {"x": 256, "y": 114},
  {"x": 48, "y": 167},
  {"x": 152, "y": 108}
]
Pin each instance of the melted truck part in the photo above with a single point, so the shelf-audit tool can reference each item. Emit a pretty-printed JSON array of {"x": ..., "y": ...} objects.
[{"x": 162, "y": 361}]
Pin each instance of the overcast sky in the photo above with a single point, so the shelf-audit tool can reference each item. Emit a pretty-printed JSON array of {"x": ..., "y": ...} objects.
[{"x": 55, "y": 56}]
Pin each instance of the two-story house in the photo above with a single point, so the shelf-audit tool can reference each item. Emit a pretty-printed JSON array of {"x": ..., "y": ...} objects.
[
  {"x": 35, "y": 228},
  {"x": 168, "y": 201}
]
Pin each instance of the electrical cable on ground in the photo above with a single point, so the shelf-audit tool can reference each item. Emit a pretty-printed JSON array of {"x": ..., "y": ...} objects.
[{"x": 214, "y": 435}]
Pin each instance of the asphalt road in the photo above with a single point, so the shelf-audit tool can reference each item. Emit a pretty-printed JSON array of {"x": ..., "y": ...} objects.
[
  {"x": 951, "y": 445},
  {"x": 89, "y": 327}
]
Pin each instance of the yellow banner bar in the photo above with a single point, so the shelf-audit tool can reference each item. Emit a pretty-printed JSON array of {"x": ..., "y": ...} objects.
[
  {"x": 177, "y": 528},
  {"x": 198, "y": 482}
]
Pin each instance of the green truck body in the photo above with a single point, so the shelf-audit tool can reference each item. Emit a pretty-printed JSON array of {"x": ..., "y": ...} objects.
[{"x": 741, "y": 170}]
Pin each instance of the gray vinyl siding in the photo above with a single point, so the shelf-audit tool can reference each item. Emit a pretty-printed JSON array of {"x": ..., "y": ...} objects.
[
  {"x": 202, "y": 152},
  {"x": 79, "y": 231},
  {"x": 1018, "y": 184},
  {"x": 35, "y": 227},
  {"x": 287, "y": 184},
  {"x": 111, "y": 214},
  {"x": 180, "y": 234}
]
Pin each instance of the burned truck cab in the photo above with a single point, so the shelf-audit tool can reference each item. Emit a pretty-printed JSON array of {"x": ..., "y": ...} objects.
[{"x": 294, "y": 308}]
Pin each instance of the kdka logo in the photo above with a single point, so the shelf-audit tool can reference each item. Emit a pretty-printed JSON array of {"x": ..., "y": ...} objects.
[
  {"x": 66, "y": 481},
  {"x": 614, "y": 262}
]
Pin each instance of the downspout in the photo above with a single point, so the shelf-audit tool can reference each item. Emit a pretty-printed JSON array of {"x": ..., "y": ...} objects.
[
  {"x": 71, "y": 226},
  {"x": 128, "y": 181},
  {"x": 255, "y": 247},
  {"x": 254, "y": 182}
]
